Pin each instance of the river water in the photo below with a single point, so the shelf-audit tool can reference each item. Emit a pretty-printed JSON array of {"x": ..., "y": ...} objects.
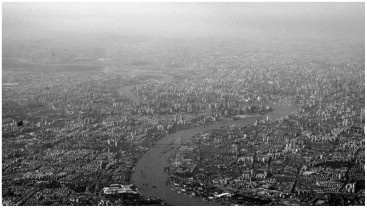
[
  {"x": 126, "y": 90},
  {"x": 149, "y": 175}
]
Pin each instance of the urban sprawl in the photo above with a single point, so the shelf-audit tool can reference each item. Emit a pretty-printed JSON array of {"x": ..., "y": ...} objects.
[{"x": 73, "y": 134}]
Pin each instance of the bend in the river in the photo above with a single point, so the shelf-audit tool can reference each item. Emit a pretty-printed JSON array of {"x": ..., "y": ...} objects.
[{"x": 149, "y": 175}]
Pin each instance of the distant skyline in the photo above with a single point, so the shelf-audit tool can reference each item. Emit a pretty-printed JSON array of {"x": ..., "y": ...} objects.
[{"x": 187, "y": 20}]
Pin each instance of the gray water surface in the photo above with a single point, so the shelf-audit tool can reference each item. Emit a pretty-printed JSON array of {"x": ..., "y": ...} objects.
[{"x": 149, "y": 175}]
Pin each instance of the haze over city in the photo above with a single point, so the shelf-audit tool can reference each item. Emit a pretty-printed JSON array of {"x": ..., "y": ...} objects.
[
  {"x": 188, "y": 20},
  {"x": 183, "y": 104}
]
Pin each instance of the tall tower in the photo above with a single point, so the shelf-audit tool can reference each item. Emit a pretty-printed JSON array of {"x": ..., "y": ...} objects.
[{"x": 100, "y": 164}]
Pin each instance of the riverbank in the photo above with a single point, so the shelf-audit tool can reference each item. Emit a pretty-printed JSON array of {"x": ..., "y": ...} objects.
[{"x": 149, "y": 175}]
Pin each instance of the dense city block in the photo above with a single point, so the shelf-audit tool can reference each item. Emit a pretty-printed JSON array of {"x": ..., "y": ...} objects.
[{"x": 129, "y": 120}]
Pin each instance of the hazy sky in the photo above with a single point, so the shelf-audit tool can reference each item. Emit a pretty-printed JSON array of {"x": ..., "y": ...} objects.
[{"x": 186, "y": 20}]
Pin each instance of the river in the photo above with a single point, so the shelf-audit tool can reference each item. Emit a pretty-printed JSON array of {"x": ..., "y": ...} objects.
[
  {"x": 126, "y": 90},
  {"x": 149, "y": 175}
]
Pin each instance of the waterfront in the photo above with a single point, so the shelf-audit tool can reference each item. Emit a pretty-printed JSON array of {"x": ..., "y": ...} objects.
[
  {"x": 149, "y": 175},
  {"x": 149, "y": 110}
]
